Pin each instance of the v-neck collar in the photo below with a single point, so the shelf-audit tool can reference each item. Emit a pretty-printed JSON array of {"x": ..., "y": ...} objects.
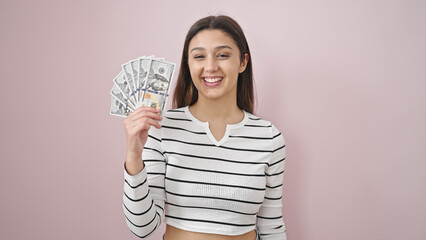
[{"x": 228, "y": 129}]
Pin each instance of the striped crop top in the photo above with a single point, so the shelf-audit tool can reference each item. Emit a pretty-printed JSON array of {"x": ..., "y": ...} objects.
[{"x": 196, "y": 183}]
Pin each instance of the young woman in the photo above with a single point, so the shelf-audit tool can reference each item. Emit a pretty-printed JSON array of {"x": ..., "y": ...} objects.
[{"x": 212, "y": 170}]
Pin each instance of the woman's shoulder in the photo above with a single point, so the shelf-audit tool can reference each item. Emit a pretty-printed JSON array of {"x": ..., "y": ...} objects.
[{"x": 256, "y": 121}]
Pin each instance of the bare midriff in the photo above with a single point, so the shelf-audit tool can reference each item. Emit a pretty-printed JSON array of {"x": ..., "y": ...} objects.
[{"x": 173, "y": 233}]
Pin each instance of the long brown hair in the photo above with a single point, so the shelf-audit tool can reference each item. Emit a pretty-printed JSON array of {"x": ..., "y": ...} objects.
[{"x": 185, "y": 92}]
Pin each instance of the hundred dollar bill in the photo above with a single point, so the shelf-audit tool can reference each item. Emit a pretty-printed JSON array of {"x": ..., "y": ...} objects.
[
  {"x": 144, "y": 64},
  {"x": 118, "y": 108},
  {"x": 156, "y": 87},
  {"x": 134, "y": 64},
  {"x": 123, "y": 86},
  {"x": 159, "y": 76},
  {"x": 129, "y": 74},
  {"x": 116, "y": 93}
]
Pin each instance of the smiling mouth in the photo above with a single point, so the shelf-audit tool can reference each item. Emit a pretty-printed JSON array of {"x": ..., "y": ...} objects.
[{"x": 212, "y": 80}]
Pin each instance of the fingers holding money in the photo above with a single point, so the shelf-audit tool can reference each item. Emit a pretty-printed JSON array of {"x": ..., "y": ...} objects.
[
  {"x": 146, "y": 109},
  {"x": 151, "y": 115},
  {"x": 137, "y": 125},
  {"x": 142, "y": 119}
]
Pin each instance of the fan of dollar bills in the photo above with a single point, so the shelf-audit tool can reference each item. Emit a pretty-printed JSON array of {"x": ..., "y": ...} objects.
[{"x": 144, "y": 81}]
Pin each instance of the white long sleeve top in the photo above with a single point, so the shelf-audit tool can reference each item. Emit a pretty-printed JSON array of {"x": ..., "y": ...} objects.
[{"x": 196, "y": 183}]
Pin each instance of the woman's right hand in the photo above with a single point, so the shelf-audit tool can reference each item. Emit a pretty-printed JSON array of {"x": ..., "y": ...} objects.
[{"x": 136, "y": 126}]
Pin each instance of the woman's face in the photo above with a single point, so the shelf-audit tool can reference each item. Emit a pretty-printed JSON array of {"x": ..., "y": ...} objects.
[{"x": 214, "y": 64}]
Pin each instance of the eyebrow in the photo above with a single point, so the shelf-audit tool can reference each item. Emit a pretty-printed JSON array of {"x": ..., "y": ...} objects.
[{"x": 216, "y": 48}]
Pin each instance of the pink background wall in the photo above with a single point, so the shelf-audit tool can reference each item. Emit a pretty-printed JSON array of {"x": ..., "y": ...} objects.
[{"x": 345, "y": 81}]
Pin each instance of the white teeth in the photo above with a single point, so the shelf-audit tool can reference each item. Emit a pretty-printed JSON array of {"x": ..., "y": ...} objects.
[{"x": 212, "y": 80}]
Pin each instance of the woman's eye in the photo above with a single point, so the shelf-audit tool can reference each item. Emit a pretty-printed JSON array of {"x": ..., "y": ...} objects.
[
  {"x": 199, "y": 56},
  {"x": 223, "y": 56}
]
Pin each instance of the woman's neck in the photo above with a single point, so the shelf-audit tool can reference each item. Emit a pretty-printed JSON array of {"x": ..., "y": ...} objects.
[{"x": 208, "y": 110}]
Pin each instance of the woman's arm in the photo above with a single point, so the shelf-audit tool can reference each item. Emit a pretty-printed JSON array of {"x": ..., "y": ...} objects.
[
  {"x": 270, "y": 223},
  {"x": 144, "y": 195}
]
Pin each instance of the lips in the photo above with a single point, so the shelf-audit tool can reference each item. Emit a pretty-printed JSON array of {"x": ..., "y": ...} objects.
[{"x": 212, "y": 81}]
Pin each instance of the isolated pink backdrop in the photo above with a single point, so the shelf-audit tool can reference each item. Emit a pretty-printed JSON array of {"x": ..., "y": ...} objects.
[{"x": 344, "y": 81}]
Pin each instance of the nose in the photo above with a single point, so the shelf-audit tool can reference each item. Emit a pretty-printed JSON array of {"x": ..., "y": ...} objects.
[{"x": 211, "y": 65}]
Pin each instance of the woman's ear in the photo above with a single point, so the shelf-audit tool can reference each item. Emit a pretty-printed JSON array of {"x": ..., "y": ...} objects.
[{"x": 244, "y": 62}]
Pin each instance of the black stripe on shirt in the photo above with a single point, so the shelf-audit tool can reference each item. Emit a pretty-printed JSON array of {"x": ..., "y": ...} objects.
[
  {"x": 154, "y": 186},
  {"x": 215, "y": 184},
  {"x": 208, "y": 221},
  {"x": 198, "y": 144},
  {"x": 217, "y": 159},
  {"x": 144, "y": 225},
  {"x": 274, "y": 174},
  {"x": 137, "y": 200},
  {"x": 283, "y": 146},
  {"x": 179, "y": 119},
  {"x": 159, "y": 207},
  {"x": 249, "y": 125},
  {"x": 243, "y": 149},
  {"x": 278, "y": 198},
  {"x": 182, "y": 129},
  {"x": 250, "y": 137},
  {"x": 269, "y": 217},
  {"x": 154, "y": 160},
  {"x": 138, "y": 214},
  {"x": 159, "y": 140},
  {"x": 276, "y": 135},
  {"x": 279, "y": 185},
  {"x": 139, "y": 235},
  {"x": 153, "y": 149},
  {"x": 175, "y": 110},
  {"x": 155, "y": 228},
  {"x": 277, "y": 162},
  {"x": 209, "y": 208},
  {"x": 136, "y": 185},
  {"x": 155, "y": 173},
  {"x": 214, "y": 171},
  {"x": 209, "y": 197}
]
